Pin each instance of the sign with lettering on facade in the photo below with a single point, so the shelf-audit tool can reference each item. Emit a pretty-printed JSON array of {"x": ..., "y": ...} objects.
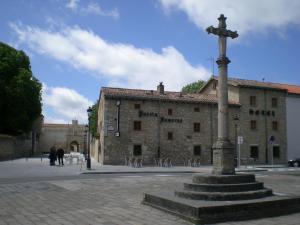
[
  {"x": 148, "y": 114},
  {"x": 170, "y": 120}
]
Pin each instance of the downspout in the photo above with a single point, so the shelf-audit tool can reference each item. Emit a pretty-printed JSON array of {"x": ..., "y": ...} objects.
[{"x": 266, "y": 128}]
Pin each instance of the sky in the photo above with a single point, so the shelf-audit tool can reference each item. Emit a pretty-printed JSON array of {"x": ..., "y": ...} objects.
[{"x": 78, "y": 46}]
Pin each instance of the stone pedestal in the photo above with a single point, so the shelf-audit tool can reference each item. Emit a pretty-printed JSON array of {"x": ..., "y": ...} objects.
[
  {"x": 223, "y": 158},
  {"x": 220, "y": 198}
]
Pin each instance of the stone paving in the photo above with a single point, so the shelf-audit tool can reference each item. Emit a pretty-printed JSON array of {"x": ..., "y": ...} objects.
[{"x": 112, "y": 200}]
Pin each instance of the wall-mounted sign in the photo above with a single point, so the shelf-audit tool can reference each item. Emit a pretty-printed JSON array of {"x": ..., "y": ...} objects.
[
  {"x": 170, "y": 120},
  {"x": 110, "y": 128},
  {"x": 147, "y": 114},
  {"x": 261, "y": 112},
  {"x": 240, "y": 140}
]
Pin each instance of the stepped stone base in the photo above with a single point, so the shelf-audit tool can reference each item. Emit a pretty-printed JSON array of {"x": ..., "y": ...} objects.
[
  {"x": 207, "y": 212},
  {"x": 220, "y": 198}
]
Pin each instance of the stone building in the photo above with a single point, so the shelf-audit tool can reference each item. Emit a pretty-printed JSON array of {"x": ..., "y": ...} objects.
[
  {"x": 161, "y": 124},
  {"x": 71, "y": 137},
  {"x": 262, "y": 117}
]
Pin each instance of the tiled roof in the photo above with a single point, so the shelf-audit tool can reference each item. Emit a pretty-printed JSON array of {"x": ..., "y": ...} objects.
[
  {"x": 155, "y": 95},
  {"x": 291, "y": 89}
]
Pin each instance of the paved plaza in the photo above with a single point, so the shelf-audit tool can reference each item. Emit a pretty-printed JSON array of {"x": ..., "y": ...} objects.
[{"x": 31, "y": 192}]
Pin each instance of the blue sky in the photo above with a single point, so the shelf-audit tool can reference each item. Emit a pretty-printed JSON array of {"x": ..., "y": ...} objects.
[{"x": 78, "y": 46}]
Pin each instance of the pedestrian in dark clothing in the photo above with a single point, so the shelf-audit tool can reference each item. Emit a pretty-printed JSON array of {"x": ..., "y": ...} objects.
[
  {"x": 52, "y": 155},
  {"x": 60, "y": 155}
]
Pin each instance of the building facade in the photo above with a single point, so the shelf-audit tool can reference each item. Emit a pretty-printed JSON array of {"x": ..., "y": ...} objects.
[
  {"x": 160, "y": 124},
  {"x": 71, "y": 137}
]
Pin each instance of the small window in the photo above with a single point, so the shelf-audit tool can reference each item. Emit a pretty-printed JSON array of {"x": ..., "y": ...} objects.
[
  {"x": 197, "y": 150},
  {"x": 196, "y": 127},
  {"x": 254, "y": 152},
  {"x": 251, "y": 112},
  {"x": 170, "y": 112},
  {"x": 170, "y": 135},
  {"x": 253, "y": 100},
  {"x": 257, "y": 112},
  {"x": 137, "y": 125},
  {"x": 137, "y": 150},
  {"x": 274, "y": 102},
  {"x": 275, "y": 125},
  {"x": 137, "y": 106},
  {"x": 276, "y": 152},
  {"x": 253, "y": 124},
  {"x": 214, "y": 85},
  {"x": 196, "y": 109}
]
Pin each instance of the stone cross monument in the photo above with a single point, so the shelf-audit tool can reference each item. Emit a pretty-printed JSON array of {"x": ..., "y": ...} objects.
[{"x": 223, "y": 150}]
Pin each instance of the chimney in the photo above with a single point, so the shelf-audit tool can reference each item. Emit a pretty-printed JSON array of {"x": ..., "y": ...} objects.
[{"x": 161, "y": 88}]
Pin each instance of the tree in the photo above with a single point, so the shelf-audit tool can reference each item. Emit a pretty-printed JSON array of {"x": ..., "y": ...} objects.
[
  {"x": 193, "y": 87},
  {"x": 20, "y": 92},
  {"x": 94, "y": 120}
]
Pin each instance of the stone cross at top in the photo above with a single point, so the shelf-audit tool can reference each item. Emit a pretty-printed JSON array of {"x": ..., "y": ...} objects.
[
  {"x": 221, "y": 30},
  {"x": 222, "y": 33}
]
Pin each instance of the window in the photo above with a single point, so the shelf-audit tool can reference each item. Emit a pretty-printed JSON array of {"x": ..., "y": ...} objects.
[
  {"x": 214, "y": 85},
  {"x": 197, "y": 150},
  {"x": 170, "y": 135},
  {"x": 170, "y": 112},
  {"x": 276, "y": 152},
  {"x": 137, "y": 125},
  {"x": 196, "y": 109},
  {"x": 254, "y": 152},
  {"x": 274, "y": 102},
  {"x": 196, "y": 127},
  {"x": 137, "y": 106},
  {"x": 275, "y": 125},
  {"x": 137, "y": 150},
  {"x": 253, "y": 124},
  {"x": 253, "y": 100}
]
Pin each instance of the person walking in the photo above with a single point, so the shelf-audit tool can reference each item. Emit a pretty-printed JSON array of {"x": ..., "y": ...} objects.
[
  {"x": 52, "y": 155},
  {"x": 60, "y": 155}
]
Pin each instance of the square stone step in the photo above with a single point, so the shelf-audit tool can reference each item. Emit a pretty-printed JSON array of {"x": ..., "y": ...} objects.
[{"x": 207, "y": 212}]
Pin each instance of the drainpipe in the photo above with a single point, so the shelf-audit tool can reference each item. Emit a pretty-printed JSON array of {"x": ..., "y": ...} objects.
[{"x": 266, "y": 128}]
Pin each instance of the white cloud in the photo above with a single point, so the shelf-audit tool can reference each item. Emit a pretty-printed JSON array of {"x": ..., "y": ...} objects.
[
  {"x": 122, "y": 64},
  {"x": 247, "y": 16},
  {"x": 67, "y": 104},
  {"x": 94, "y": 8},
  {"x": 72, "y": 4},
  {"x": 91, "y": 8},
  {"x": 49, "y": 119}
]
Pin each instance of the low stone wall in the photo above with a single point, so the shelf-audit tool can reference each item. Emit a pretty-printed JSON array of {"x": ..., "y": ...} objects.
[{"x": 13, "y": 147}]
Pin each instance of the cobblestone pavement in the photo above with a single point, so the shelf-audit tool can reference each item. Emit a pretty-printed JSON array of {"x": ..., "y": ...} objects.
[{"x": 111, "y": 200}]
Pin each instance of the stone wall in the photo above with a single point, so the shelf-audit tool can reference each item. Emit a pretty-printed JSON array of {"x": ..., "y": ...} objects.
[
  {"x": 14, "y": 147},
  {"x": 154, "y": 132},
  {"x": 62, "y": 135},
  {"x": 261, "y": 135}
]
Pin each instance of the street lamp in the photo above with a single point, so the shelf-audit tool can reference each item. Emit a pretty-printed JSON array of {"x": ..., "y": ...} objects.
[
  {"x": 85, "y": 141},
  {"x": 88, "y": 160},
  {"x": 236, "y": 156}
]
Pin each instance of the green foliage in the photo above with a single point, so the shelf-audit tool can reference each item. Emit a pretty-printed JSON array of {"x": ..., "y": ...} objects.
[
  {"x": 94, "y": 120},
  {"x": 20, "y": 92},
  {"x": 193, "y": 87}
]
